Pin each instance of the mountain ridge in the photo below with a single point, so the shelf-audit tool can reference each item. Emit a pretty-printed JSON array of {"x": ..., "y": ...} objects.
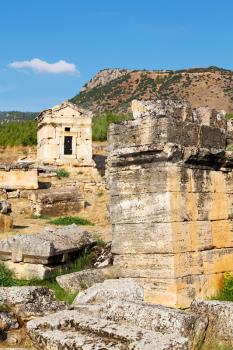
[{"x": 112, "y": 90}]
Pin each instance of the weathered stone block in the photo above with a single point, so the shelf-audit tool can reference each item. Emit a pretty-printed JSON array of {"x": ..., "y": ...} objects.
[
  {"x": 77, "y": 281},
  {"x": 94, "y": 333},
  {"x": 57, "y": 202},
  {"x": 18, "y": 176},
  {"x": 37, "y": 255},
  {"x": 171, "y": 203}
]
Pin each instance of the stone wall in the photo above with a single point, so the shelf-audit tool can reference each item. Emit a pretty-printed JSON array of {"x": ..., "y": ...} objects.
[
  {"x": 171, "y": 187},
  {"x": 16, "y": 176}
]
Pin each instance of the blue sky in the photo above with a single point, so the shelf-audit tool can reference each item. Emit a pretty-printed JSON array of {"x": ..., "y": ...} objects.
[{"x": 89, "y": 35}]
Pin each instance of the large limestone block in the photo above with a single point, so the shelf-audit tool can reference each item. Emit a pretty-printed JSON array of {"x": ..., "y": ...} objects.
[
  {"x": 167, "y": 177},
  {"x": 77, "y": 281},
  {"x": 30, "y": 271},
  {"x": 52, "y": 245},
  {"x": 18, "y": 176},
  {"x": 181, "y": 110},
  {"x": 165, "y": 129},
  {"x": 57, "y": 202},
  {"x": 172, "y": 237},
  {"x": 170, "y": 207},
  {"x": 175, "y": 265},
  {"x": 57, "y": 332},
  {"x": 155, "y": 318},
  {"x": 180, "y": 292}
]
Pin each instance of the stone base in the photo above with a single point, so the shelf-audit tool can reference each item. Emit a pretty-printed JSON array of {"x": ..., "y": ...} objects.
[
  {"x": 179, "y": 293},
  {"x": 28, "y": 271}
]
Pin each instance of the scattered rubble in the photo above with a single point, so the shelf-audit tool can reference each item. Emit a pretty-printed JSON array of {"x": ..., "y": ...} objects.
[
  {"x": 23, "y": 304},
  {"x": 110, "y": 321},
  {"x": 101, "y": 261},
  {"x": 104, "y": 255}
]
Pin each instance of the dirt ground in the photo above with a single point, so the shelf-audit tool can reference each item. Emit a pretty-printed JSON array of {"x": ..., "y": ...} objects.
[{"x": 96, "y": 212}]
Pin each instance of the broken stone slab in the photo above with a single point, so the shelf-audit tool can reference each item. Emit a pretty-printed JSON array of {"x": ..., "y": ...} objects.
[
  {"x": 124, "y": 289},
  {"x": 152, "y": 317},
  {"x": 29, "y": 302},
  {"x": 78, "y": 281},
  {"x": 70, "y": 329},
  {"x": 52, "y": 246},
  {"x": 220, "y": 318},
  {"x": 18, "y": 175},
  {"x": 57, "y": 202}
]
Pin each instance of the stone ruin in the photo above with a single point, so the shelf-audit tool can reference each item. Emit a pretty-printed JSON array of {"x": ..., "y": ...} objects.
[
  {"x": 171, "y": 207},
  {"x": 56, "y": 201},
  {"x": 18, "y": 176},
  {"x": 40, "y": 255},
  {"x": 65, "y": 136},
  {"x": 171, "y": 187}
]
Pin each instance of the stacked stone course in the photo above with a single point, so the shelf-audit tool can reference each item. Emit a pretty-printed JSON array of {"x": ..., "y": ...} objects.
[{"x": 171, "y": 187}]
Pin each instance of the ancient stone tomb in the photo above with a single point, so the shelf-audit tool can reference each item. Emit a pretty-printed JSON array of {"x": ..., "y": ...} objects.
[
  {"x": 65, "y": 136},
  {"x": 171, "y": 186}
]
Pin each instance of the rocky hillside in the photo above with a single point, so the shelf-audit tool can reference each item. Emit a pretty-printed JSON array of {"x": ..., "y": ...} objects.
[{"x": 112, "y": 90}]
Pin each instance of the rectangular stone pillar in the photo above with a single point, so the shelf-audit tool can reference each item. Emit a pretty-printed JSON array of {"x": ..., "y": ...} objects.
[{"x": 171, "y": 208}]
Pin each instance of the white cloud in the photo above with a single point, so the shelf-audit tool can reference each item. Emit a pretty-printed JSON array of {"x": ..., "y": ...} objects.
[{"x": 40, "y": 66}]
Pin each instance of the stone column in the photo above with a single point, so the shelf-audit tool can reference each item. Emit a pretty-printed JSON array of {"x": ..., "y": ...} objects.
[{"x": 171, "y": 208}]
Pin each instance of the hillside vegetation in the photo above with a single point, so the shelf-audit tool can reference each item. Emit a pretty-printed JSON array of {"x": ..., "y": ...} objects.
[
  {"x": 18, "y": 134},
  {"x": 112, "y": 90},
  {"x": 24, "y": 133}
]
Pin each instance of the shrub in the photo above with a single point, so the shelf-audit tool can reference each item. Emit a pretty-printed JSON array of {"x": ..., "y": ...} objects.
[
  {"x": 62, "y": 173},
  {"x": 227, "y": 291},
  {"x": 100, "y": 125},
  {"x": 18, "y": 134},
  {"x": 69, "y": 220}
]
